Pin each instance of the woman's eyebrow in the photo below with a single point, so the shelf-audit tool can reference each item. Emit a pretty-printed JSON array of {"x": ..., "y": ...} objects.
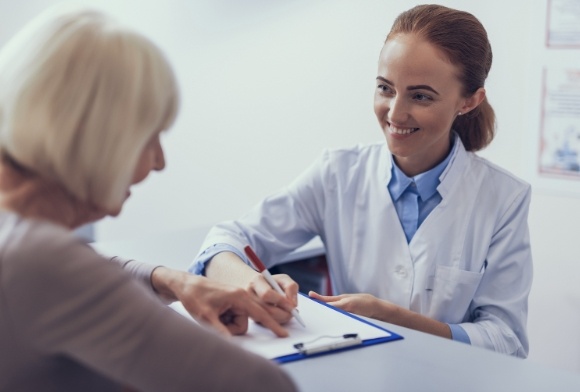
[
  {"x": 422, "y": 87},
  {"x": 409, "y": 88},
  {"x": 384, "y": 80}
]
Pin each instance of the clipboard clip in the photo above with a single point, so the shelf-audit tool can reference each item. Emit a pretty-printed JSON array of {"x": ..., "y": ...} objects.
[{"x": 328, "y": 343}]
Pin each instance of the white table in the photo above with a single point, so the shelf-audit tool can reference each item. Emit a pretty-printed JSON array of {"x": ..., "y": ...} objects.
[{"x": 419, "y": 362}]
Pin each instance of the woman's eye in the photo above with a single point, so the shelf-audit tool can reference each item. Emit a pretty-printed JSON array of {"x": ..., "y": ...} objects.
[
  {"x": 422, "y": 97},
  {"x": 383, "y": 88}
]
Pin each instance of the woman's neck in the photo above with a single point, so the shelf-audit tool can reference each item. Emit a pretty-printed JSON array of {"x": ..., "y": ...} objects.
[{"x": 33, "y": 197}]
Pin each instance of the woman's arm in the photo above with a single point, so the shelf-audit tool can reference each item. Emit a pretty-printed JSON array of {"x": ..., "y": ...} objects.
[
  {"x": 499, "y": 308},
  {"x": 100, "y": 317},
  {"x": 223, "y": 306},
  {"x": 370, "y": 306},
  {"x": 274, "y": 228}
]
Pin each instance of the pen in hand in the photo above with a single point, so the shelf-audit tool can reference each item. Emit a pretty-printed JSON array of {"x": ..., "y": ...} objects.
[{"x": 270, "y": 279}]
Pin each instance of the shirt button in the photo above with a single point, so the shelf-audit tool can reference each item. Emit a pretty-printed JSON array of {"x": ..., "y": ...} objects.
[{"x": 401, "y": 271}]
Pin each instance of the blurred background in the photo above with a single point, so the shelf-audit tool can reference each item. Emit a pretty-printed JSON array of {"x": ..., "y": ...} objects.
[{"x": 267, "y": 84}]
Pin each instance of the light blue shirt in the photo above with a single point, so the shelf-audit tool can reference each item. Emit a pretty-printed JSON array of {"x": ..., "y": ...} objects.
[{"x": 422, "y": 188}]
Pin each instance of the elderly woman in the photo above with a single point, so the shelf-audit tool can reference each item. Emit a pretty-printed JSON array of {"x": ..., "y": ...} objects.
[{"x": 82, "y": 105}]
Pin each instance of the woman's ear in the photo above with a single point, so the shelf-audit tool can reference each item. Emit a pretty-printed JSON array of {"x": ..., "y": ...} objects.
[{"x": 473, "y": 101}]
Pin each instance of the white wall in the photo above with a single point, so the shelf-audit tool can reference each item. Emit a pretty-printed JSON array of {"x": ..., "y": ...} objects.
[{"x": 268, "y": 84}]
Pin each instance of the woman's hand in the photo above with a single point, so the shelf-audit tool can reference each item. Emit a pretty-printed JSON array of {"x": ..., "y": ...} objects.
[
  {"x": 362, "y": 304},
  {"x": 223, "y": 306},
  {"x": 277, "y": 305},
  {"x": 370, "y": 306}
]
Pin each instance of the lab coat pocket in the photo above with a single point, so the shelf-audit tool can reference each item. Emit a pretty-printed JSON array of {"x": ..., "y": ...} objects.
[{"x": 449, "y": 293}]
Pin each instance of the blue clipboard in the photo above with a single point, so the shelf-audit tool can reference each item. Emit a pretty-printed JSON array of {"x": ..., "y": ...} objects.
[
  {"x": 328, "y": 330},
  {"x": 325, "y": 345}
]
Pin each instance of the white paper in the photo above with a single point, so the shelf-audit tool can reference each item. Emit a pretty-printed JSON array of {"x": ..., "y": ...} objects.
[{"x": 321, "y": 322}]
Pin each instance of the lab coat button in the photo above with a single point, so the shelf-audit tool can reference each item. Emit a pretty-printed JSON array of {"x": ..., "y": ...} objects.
[{"x": 401, "y": 271}]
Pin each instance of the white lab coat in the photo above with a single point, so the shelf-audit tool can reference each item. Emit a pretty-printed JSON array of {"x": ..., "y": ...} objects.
[{"x": 469, "y": 263}]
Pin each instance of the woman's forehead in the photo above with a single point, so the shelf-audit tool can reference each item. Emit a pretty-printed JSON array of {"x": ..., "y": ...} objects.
[{"x": 411, "y": 59}]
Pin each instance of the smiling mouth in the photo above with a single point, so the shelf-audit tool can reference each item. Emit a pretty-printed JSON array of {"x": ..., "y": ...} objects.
[{"x": 402, "y": 131}]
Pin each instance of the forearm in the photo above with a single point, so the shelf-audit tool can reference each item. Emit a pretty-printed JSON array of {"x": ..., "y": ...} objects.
[
  {"x": 370, "y": 306},
  {"x": 227, "y": 267},
  {"x": 141, "y": 271},
  {"x": 408, "y": 319},
  {"x": 167, "y": 282}
]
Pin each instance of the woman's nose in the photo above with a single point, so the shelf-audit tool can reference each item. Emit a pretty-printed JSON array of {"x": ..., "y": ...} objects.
[
  {"x": 398, "y": 112},
  {"x": 159, "y": 159}
]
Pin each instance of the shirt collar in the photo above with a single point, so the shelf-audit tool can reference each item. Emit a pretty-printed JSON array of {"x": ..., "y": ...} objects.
[{"x": 426, "y": 182}]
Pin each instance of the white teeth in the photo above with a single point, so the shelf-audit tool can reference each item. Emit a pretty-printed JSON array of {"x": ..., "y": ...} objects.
[{"x": 401, "y": 131}]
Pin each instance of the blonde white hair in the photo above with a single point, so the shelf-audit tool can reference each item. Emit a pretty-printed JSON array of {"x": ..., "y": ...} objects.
[{"x": 80, "y": 96}]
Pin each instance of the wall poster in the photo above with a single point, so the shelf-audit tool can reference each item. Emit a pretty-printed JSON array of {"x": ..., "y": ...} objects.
[{"x": 554, "y": 99}]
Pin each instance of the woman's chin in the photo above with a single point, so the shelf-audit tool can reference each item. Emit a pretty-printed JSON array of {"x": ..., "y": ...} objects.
[
  {"x": 117, "y": 210},
  {"x": 114, "y": 212}
]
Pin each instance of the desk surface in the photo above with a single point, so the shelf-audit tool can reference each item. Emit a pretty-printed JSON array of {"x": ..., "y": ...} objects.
[{"x": 419, "y": 362}]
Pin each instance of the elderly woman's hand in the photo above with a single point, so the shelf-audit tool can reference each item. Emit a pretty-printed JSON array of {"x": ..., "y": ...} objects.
[{"x": 223, "y": 306}]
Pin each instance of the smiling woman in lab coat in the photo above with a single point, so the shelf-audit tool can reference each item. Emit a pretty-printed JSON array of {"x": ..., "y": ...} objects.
[{"x": 420, "y": 232}]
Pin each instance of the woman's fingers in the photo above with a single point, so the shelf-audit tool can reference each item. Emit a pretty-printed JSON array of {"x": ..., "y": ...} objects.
[
  {"x": 324, "y": 298},
  {"x": 278, "y": 305},
  {"x": 289, "y": 286},
  {"x": 236, "y": 323},
  {"x": 263, "y": 317}
]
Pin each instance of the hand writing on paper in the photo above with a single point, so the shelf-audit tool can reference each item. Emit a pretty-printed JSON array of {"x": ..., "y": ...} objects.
[
  {"x": 362, "y": 304},
  {"x": 223, "y": 306},
  {"x": 278, "y": 306}
]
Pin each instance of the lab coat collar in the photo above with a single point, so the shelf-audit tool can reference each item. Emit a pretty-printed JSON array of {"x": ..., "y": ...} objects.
[
  {"x": 386, "y": 165},
  {"x": 457, "y": 165}
]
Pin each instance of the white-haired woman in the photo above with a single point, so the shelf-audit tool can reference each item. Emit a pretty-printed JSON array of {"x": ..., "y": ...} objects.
[{"x": 82, "y": 105}]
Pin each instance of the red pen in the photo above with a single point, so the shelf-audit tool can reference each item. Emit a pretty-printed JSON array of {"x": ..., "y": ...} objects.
[{"x": 269, "y": 278}]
